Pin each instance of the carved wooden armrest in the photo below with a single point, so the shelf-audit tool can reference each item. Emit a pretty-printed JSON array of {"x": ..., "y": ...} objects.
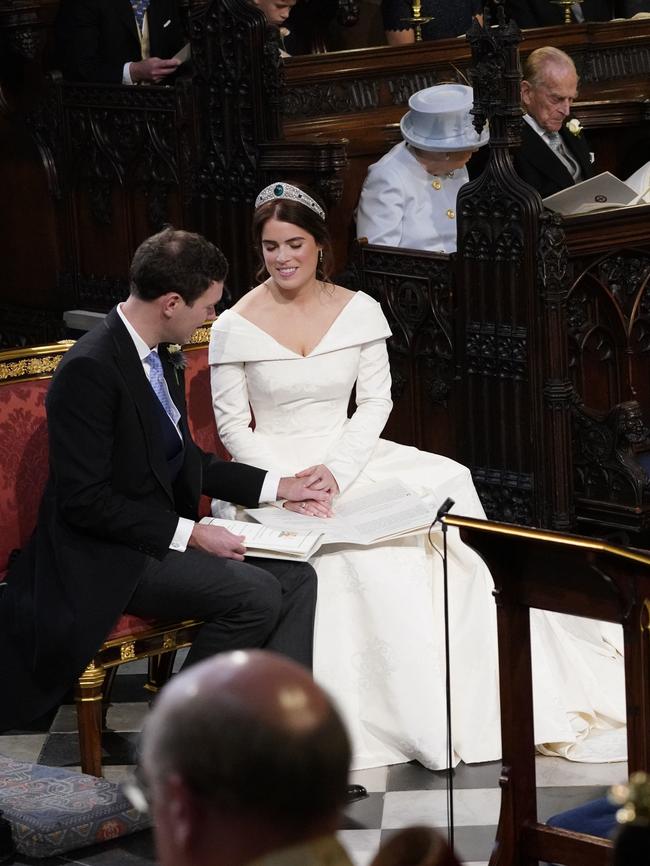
[{"x": 606, "y": 448}]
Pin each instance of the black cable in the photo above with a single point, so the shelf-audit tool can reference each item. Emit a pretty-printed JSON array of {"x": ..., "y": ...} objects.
[{"x": 446, "y": 506}]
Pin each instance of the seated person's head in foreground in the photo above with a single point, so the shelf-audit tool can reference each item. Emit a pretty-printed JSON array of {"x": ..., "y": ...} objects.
[
  {"x": 549, "y": 87},
  {"x": 409, "y": 196},
  {"x": 242, "y": 754},
  {"x": 276, "y": 12}
]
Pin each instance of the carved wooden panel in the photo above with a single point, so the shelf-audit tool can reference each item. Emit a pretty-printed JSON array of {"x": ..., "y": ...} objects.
[
  {"x": 551, "y": 328},
  {"x": 509, "y": 316},
  {"x": 22, "y": 326},
  {"x": 126, "y": 162},
  {"x": 414, "y": 289},
  {"x": 238, "y": 94}
]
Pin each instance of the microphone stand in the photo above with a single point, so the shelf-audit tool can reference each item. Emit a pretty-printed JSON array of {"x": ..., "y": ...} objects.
[{"x": 446, "y": 506}]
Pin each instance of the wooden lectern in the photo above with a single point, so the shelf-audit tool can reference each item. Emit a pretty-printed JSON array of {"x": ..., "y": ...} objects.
[{"x": 573, "y": 575}]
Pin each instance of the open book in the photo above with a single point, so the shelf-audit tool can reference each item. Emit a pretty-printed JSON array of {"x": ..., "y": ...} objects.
[
  {"x": 270, "y": 543},
  {"x": 378, "y": 512},
  {"x": 602, "y": 192}
]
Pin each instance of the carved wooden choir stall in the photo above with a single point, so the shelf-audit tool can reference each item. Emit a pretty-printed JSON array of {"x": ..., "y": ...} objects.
[{"x": 538, "y": 319}]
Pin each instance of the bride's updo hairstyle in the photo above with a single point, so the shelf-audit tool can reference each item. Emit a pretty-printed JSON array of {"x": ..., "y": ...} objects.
[{"x": 292, "y": 204}]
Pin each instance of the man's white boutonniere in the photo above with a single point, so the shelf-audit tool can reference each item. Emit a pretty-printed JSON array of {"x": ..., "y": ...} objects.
[
  {"x": 177, "y": 359},
  {"x": 574, "y": 126}
]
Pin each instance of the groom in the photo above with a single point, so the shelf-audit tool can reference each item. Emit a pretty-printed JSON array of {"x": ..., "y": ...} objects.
[{"x": 117, "y": 528}]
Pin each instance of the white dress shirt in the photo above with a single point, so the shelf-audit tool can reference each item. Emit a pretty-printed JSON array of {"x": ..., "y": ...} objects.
[
  {"x": 269, "y": 492},
  {"x": 566, "y": 158}
]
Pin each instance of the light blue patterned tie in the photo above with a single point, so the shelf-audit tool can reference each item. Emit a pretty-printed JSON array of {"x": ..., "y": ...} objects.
[
  {"x": 139, "y": 9},
  {"x": 557, "y": 146},
  {"x": 157, "y": 380}
]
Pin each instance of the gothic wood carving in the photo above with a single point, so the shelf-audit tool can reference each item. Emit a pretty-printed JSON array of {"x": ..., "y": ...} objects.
[
  {"x": 415, "y": 291},
  {"x": 238, "y": 84},
  {"x": 499, "y": 344},
  {"x": 23, "y": 326}
]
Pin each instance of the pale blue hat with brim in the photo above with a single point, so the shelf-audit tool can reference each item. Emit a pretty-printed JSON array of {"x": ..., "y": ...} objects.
[{"x": 439, "y": 119}]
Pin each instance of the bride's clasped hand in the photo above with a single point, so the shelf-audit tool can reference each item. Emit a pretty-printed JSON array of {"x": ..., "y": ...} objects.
[{"x": 320, "y": 479}]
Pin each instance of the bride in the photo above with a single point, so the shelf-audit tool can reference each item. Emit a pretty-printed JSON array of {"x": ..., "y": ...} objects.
[{"x": 292, "y": 350}]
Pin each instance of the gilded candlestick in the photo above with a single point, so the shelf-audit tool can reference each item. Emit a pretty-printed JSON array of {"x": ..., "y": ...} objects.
[{"x": 417, "y": 20}]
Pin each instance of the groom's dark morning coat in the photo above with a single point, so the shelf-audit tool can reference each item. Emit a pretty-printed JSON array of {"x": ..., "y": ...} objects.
[{"x": 109, "y": 504}]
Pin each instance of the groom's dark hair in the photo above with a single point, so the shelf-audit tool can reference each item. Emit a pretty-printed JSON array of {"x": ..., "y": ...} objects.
[{"x": 176, "y": 261}]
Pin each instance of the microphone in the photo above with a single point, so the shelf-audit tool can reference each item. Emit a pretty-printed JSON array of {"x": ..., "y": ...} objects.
[
  {"x": 446, "y": 506},
  {"x": 444, "y": 509}
]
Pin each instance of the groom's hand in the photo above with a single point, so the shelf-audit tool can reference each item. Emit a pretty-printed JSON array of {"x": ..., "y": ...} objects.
[
  {"x": 217, "y": 541},
  {"x": 319, "y": 478},
  {"x": 296, "y": 490}
]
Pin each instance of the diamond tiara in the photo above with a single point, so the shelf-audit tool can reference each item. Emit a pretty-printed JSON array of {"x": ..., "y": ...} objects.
[{"x": 292, "y": 193}]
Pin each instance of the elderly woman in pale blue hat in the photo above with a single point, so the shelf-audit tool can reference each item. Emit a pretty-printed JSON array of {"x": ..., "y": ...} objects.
[{"x": 409, "y": 197}]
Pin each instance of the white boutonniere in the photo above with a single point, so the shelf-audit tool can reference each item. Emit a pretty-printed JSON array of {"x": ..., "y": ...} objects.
[
  {"x": 177, "y": 359},
  {"x": 574, "y": 126}
]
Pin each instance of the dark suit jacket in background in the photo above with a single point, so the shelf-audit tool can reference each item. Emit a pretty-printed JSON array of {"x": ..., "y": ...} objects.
[
  {"x": 536, "y": 163},
  {"x": 95, "y": 38},
  {"x": 109, "y": 504}
]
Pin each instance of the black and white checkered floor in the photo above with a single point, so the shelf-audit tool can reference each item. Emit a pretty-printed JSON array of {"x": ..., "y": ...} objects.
[{"x": 399, "y": 795}]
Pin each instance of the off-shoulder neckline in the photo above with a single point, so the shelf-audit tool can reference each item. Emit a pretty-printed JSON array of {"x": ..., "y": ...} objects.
[{"x": 320, "y": 341}]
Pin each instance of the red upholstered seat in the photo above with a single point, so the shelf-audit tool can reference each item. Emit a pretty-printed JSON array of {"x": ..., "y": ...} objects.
[
  {"x": 23, "y": 461},
  {"x": 199, "y": 410},
  {"x": 24, "y": 379},
  {"x": 129, "y": 624}
]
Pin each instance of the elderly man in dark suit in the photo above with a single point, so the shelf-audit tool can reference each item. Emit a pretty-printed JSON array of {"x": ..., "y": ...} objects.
[
  {"x": 553, "y": 153},
  {"x": 119, "y": 41},
  {"x": 117, "y": 526}
]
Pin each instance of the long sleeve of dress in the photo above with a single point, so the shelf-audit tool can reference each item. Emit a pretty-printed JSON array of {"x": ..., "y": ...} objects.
[
  {"x": 348, "y": 456},
  {"x": 233, "y": 416}
]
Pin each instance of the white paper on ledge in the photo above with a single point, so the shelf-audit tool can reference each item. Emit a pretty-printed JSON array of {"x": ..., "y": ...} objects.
[{"x": 602, "y": 192}]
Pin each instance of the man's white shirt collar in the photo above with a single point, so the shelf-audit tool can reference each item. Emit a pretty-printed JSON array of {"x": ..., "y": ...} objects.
[
  {"x": 530, "y": 120},
  {"x": 141, "y": 347}
]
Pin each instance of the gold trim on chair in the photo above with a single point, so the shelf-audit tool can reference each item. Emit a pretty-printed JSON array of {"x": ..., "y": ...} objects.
[
  {"x": 199, "y": 338},
  {"x": 37, "y": 362}
]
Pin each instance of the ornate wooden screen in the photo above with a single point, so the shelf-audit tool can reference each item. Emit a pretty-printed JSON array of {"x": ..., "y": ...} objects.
[
  {"x": 546, "y": 336},
  {"x": 414, "y": 289}
]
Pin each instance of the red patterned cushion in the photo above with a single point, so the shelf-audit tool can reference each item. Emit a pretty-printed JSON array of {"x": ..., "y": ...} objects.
[
  {"x": 23, "y": 462},
  {"x": 129, "y": 624},
  {"x": 199, "y": 402}
]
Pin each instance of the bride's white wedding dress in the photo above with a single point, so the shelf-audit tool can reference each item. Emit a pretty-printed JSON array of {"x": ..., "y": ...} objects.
[{"x": 379, "y": 639}]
